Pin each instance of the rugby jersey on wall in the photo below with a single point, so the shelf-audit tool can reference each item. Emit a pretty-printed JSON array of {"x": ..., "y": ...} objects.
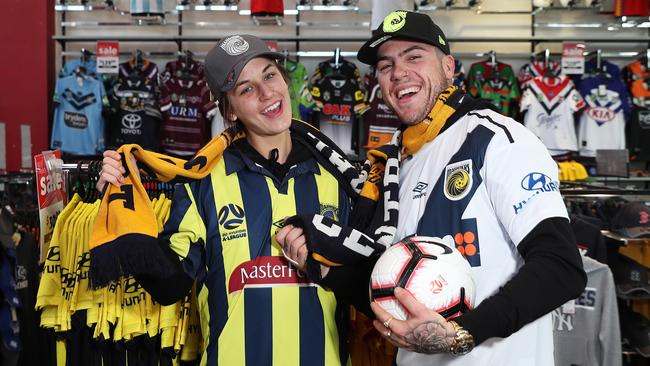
[
  {"x": 339, "y": 102},
  {"x": 380, "y": 122},
  {"x": 549, "y": 104},
  {"x": 602, "y": 123},
  {"x": 78, "y": 123}
]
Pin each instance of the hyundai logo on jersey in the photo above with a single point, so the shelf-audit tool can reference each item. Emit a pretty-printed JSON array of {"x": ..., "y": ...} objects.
[{"x": 538, "y": 182}]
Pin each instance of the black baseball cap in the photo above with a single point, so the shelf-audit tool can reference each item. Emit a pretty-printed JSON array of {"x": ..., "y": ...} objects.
[
  {"x": 631, "y": 277},
  {"x": 403, "y": 24},
  {"x": 632, "y": 220},
  {"x": 227, "y": 59}
]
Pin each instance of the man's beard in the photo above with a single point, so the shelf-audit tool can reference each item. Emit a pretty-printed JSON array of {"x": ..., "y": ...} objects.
[{"x": 433, "y": 98}]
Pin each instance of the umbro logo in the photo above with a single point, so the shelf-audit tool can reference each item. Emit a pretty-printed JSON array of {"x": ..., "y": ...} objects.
[
  {"x": 279, "y": 224},
  {"x": 420, "y": 190}
]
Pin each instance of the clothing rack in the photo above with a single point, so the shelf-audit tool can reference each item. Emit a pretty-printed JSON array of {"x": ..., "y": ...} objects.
[
  {"x": 493, "y": 57},
  {"x": 337, "y": 57}
]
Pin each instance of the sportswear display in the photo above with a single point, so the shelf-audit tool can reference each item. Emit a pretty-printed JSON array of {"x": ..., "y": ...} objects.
[
  {"x": 549, "y": 103},
  {"x": 187, "y": 113},
  {"x": 380, "y": 122},
  {"x": 147, "y": 8},
  {"x": 71, "y": 66},
  {"x": 297, "y": 83},
  {"x": 587, "y": 332},
  {"x": 267, "y": 7},
  {"x": 338, "y": 104},
  {"x": 134, "y": 115},
  {"x": 537, "y": 68},
  {"x": 184, "y": 67},
  {"x": 501, "y": 93},
  {"x": 602, "y": 122},
  {"x": 78, "y": 126},
  {"x": 480, "y": 72}
]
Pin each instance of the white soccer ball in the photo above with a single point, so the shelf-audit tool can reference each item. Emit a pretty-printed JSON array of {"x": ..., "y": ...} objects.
[{"x": 431, "y": 269}]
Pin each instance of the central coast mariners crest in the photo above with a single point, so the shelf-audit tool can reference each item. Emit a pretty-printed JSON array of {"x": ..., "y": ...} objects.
[{"x": 458, "y": 180}]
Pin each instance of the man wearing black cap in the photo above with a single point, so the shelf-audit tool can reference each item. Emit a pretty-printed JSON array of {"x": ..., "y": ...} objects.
[{"x": 483, "y": 179}]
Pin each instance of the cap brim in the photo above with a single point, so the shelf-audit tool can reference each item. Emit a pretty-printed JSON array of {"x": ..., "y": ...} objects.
[
  {"x": 368, "y": 52},
  {"x": 240, "y": 66}
]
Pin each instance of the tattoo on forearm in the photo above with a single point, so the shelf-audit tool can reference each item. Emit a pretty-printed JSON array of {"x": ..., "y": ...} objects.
[{"x": 429, "y": 338}]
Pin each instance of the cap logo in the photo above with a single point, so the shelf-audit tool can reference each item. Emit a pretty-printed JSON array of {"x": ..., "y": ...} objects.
[
  {"x": 441, "y": 40},
  {"x": 644, "y": 217},
  {"x": 394, "y": 21},
  {"x": 234, "y": 45}
]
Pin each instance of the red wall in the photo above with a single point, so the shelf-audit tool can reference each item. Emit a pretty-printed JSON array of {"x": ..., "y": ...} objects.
[{"x": 26, "y": 73}]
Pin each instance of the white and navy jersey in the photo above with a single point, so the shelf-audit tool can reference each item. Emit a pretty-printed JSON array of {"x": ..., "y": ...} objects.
[
  {"x": 486, "y": 182},
  {"x": 78, "y": 127},
  {"x": 339, "y": 101},
  {"x": 602, "y": 123},
  {"x": 549, "y": 104},
  {"x": 147, "y": 7}
]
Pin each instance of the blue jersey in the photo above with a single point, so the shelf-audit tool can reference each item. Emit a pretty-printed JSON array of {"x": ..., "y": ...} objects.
[
  {"x": 602, "y": 123},
  {"x": 78, "y": 124},
  {"x": 70, "y": 67}
]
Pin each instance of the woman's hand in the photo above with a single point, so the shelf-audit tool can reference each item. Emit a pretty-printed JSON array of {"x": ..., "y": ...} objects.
[{"x": 112, "y": 170}]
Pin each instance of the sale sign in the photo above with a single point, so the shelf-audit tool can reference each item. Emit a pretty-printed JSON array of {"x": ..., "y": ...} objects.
[
  {"x": 51, "y": 198},
  {"x": 573, "y": 59},
  {"x": 108, "y": 57}
]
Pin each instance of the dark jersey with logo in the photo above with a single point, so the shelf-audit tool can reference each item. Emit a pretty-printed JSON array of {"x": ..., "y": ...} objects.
[
  {"x": 380, "y": 121},
  {"x": 180, "y": 69},
  {"x": 186, "y": 110},
  {"x": 638, "y": 129},
  {"x": 339, "y": 102},
  {"x": 134, "y": 117}
]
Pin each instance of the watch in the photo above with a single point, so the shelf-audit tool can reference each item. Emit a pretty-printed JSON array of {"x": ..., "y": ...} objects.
[{"x": 463, "y": 341}]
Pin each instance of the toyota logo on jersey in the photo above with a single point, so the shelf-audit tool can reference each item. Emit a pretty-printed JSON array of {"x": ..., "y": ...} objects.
[
  {"x": 538, "y": 182},
  {"x": 132, "y": 121}
]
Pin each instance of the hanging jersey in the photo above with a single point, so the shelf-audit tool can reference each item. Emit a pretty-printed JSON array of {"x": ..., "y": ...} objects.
[
  {"x": 380, "y": 121},
  {"x": 537, "y": 68},
  {"x": 638, "y": 8},
  {"x": 134, "y": 115},
  {"x": 549, "y": 104},
  {"x": 147, "y": 8},
  {"x": 297, "y": 82},
  {"x": 500, "y": 93},
  {"x": 72, "y": 65},
  {"x": 181, "y": 69},
  {"x": 459, "y": 74},
  {"x": 255, "y": 307},
  {"x": 638, "y": 129},
  {"x": 589, "y": 334},
  {"x": 339, "y": 102},
  {"x": 345, "y": 69},
  {"x": 147, "y": 69},
  {"x": 635, "y": 71},
  {"x": 511, "y": 185},
  {"x": 608, "y": 69},
  {"x": 602, "y": 123},
  {"x": 187, "y": 113},
  {"x": 483, "y": 70},
  {"x": 78, "y": 123},
  {"x": 267, "y": 7}
]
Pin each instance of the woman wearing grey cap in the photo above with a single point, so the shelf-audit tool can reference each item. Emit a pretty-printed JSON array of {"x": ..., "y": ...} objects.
[{"x": 256, "y": 306}]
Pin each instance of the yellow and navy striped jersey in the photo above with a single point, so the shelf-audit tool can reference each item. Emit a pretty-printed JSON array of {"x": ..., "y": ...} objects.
[{"x": 255, "y": 308}]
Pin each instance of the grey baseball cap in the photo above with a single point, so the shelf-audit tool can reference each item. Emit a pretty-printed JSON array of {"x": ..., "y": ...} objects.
[{"x": 227, "y": 59}]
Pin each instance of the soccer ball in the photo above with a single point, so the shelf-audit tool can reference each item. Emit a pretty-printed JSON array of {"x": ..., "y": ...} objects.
[{"x": 431, "y": 269}]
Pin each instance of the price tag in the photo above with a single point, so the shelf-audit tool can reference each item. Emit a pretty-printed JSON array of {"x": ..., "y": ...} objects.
[
  {"x": 573, "y": 59},
  {"x": 108, "y": 57},
  {"x": 569, "y": 307}
]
